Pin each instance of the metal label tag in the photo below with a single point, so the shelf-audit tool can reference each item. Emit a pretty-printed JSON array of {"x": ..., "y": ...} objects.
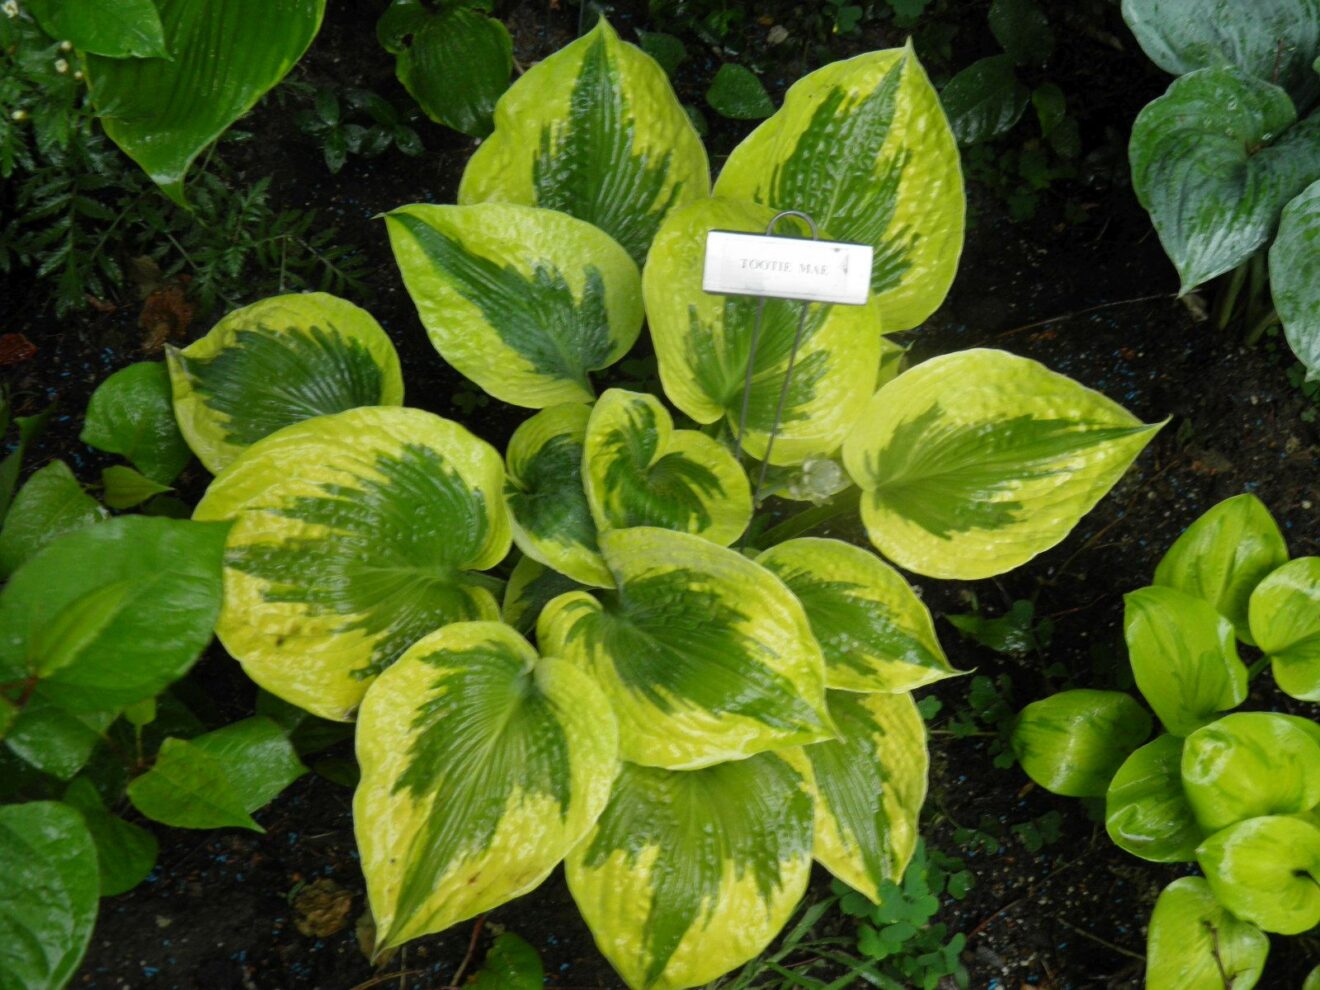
[{"x": 740, "y": 264}]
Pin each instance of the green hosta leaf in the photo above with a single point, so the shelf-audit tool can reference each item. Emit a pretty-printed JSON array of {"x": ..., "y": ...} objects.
[
  {"x": 1266, "y": 871},
  {"x": 1073, "y": 742},
  {"x": 972, "y": 463},
  {"x": 638, "y": 470},
  {"x": 1312, "y": 981},
  {"x": 1214, "y": 160},
  {"x": 863, "y": 147},
  {"x": 53, "y": 740},
  {"x": 551, "y": 518},
  {"x": 1223, "y": 556},
  {"x": 985, "y": 99},
  {"x": 1194, "y": 944},
  {"x": 114, "y": 28},
  {"x": 1146, "y": 811},
  {"x": 1021, "y": 27},
  {"x": 1295, "y": 277},
  {"x": 1183, "y": 656},
  {"x": 125, "y": 488},
  {"x": 736, "y": 92},
  {"x": 594, "y": 131},
  {"x": 1285, "y": 621},
  {"x": 276, "y": 362},
  {"x": 511, "y": 964},
  {"x": 482, "y": 765},
  {"x": 531, "y": 587},
  {"x": 48, "y": 904},
  {"x": 131, "y": 414},
  {"x": 125, "y": 853},
  {"x": 113, "y": 613},
  {"x": 869, "y": 784},
  {"x": 163, "y": 112},
  {"x": 336, "y": 568},
  {"x": 704, "y": 654},
  {"x": 1251, "y": 764},
  {"x": 52, "y": 502},
  {"x": 523, "y": 301},
  {"x": 688, "y": 875},
  {"x": 873, "y": 629},
  {"x": 703, "y": 341}
]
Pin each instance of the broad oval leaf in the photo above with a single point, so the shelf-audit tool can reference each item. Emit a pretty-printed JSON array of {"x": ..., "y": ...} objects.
[
  {"x": 974, "y": 462},
  {"x": 511, "y": 964},
  {"x": 523, "y": 301},
  {"x": 225, "y": 56},
  {"x": 870, "y": 784},
  {"x": 276, "y": 362},
  {"x": 1194, "y": 944},
  {"x": 1295, "y": 277},
  {"x": 114, "y": 28},
  {"x": 336, "y": 567},
  {"x": 875, "y": 632},
  {"x": 863, "y": 147},
  {"x": 637, "y": 470},
  {"x": 55, "y": 741},
  {"x": 1214, "y": 160},
  {"x": 703, "y": 341},
  {"x": 985, "y": 99},
  {"x": 531, "y": 587},
  {"x": 704, "y": 655},
  {"x": 1183, "y": 656},
  {"x": 482, "y": 766},
  {"x": 594, "y": 131},
  {"x": 1073, "y": 742},
  {"x": 1266, "y": 871},
  {"x": 1285, "y": 620},
  {"x": 51, "y": 889},
  {"x": 691, "y": 873},
  {"x": 50, "y": 503},
  {"x": 1146, "y": 811},
  {"x": 1223, "y": 555},
  {"x": 1251, "y": 764},
  {"x": 737, "y": 92},
  {"x": 131, "y": 413},
  {"x": 125, "y": 853}
]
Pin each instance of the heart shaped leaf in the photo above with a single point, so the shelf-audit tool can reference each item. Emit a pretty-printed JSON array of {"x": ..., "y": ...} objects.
[
  {"x": 1146, "y": 811},
  {"x": 1266, "y": 871},
  {"x": 1195, "y": 944},
  {"x": 50, "y": 503},
  {"x": 1285, "y": 621}
]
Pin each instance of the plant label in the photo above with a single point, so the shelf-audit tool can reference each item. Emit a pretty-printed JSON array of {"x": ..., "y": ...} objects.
[{"x": 740, "y": 264}]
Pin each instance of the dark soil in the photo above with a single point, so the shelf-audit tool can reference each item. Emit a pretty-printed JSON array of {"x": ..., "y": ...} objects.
[{"x": 1092, "y": 298}]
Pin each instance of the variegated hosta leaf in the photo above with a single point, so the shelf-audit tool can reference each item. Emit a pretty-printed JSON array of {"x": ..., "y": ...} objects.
[
  {"x": 972, "y": 463},
  {"x": 691, "y": 873},
  {"x": 276, "y": 362},
  {"x": 873, "y": 629},
  {"x": 482, "y": 765},
  {"x": 705, "y": 655},
  {"x": 552, "y": 522},
  {"x": 703, "y": 341},
  {"x": 1285, "y": 620},
  {"x": 531, "y": 587},
  {"x": 594, "y": 131},
  {"x": 524, "y": 302},
  {"x": 639, "y": 471},
  {"x": 355, "y": 535},
  {"x": 870, "y": 784},
  {"x": 864, "y": 148}
]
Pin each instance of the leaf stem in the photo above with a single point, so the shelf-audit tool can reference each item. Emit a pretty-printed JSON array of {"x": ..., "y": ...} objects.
[
  {"x": 1260, "y": 326},
  {"x": 1257, "y": 667},
  {"x": 1228, "y": 296}
]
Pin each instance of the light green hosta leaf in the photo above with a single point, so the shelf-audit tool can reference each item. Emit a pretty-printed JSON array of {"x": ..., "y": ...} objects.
[
  {"x": 690, "y": 874},
  {"x": 1146, "y": 811},
  {"x": 704, "y": 655},
  {"x": 870, "y": 784},
  {"x": 702, "y": 342},
  {"x": 1285, "y": 621},
  {"x": 131, "y": 414},
  {"x": 1266, "y": 871},
  {"x": 276, "y": 362},
  {"x": 638, "y": 470},
  {"x": 1251, "y": 764},
  {"x": 114, "y": 28},
  {"x": 1295, "y": 277},
  {"x": 1183, "y": 657},
  {"x": 863, "y": 147},
  {"x": 531, "y": 587},
  {"x": 163, "y": 112},
  {"x": 1194, "y": 944},
  {"x": 50, "y": 503},
  {"x": 1214, "y": 160},
  {"x": 336, "y": 568},
  {"x": 551, "y": 518},
  {"x": 523, "y": 301},
  {"x": 873, "y": 629},
  {"x": 1312, "y": 981},
  {"x": 1073, "y": 742},
  {"x": 125, "y": 853},
  {"x": 48, "y": 904},
  {"x": 985, "y": 99},
  {"x": 594, "y": 131},
  {"x": 972, "y": 463},
  {"x": 482, "y": 765},
  {"x": 1223, "y": 556}
]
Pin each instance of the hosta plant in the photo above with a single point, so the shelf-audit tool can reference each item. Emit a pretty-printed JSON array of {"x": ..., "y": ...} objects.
[
  {"x": 682, "y": 706},
  {"x": 1239, "y": 793}
]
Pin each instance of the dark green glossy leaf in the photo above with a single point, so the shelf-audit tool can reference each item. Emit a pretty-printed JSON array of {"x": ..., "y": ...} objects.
[
  {"x": 669, "y": 51},
  {"x": 125, "y": 853},
  {"x": 29, "y": 428},
  {"x": 984, "y": 100},
  {"x": 1023, "y": 30},
  {"x": 1072, "y": 743},
  {"x": 115, "y": 28},
  {"x": 1295, "y": 277},
  {"x": 50, "y": 503},
  {"x": 456, "y": 64},
  {"x": 131, "y": 413},
  {"x": 54, "y": 741},
  {"x": 1146, "y": 811},
  {"x": 125, "y": 488},
  {"x": 511, "y": 964},
  {"x": 738, "y": 93}
]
